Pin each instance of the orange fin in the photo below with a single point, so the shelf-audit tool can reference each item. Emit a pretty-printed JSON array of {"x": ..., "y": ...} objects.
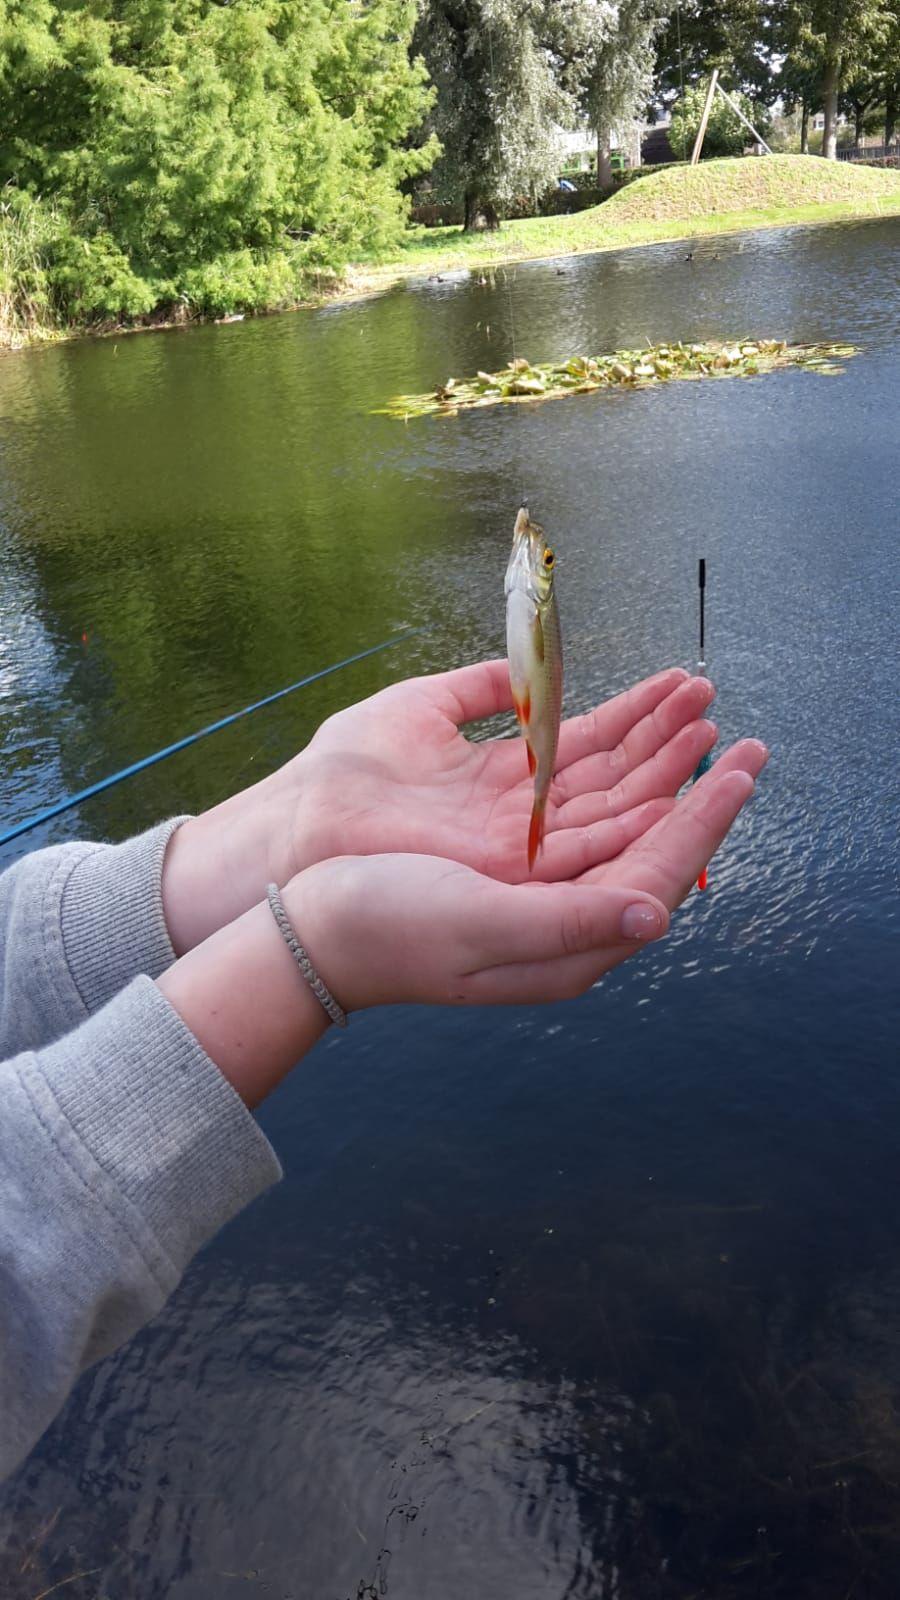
[
  {"x": 535, "y": 832},
  {"x": 523, "y": 708},
  {"x": 532, "y": 759},
  {"x": 702, "y": 880}
]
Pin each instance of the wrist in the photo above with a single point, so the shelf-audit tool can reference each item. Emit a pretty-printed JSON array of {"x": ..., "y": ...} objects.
[
  {"x": 370, "y": 929},
  {"x": 244, "y": 1000},
  {"x": 217, "y": 865},
  {"x": 324, "y": 907}
]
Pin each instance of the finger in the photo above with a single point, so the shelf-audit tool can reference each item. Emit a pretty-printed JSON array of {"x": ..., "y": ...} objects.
[
  {"x": 663, "y": 774},
  {"x": 669, "y": 858},
  {"x": 479, "y": 690},
  {"x": 605, "y": 726},
  {"x": 727, "y": 786},
  {"x": 747, "y": 755},
  {"x": 541, "y": 921},
  {"x": 568, "y": 852},
  {"x": 639, "y": 743}
]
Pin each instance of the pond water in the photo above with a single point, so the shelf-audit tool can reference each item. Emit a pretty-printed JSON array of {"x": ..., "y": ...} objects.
[{"x": 590, "y": 1300}]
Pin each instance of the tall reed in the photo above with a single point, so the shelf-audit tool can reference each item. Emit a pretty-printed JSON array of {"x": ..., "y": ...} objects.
[{"x": 26, "y": 231}]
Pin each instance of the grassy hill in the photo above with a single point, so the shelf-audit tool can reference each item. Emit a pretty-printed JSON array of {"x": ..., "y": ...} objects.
[
  {"x": 718, "y": 187},
  {"x": 724, "y": 196}
]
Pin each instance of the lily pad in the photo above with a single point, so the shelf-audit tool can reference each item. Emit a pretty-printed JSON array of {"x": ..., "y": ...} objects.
[{"x": 522, "y": 382}]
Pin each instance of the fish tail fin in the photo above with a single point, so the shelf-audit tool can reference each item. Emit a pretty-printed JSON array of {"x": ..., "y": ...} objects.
[{"x": 535, "y": 832}]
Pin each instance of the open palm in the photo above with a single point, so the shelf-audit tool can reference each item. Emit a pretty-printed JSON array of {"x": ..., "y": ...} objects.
[
  {"x": 404, "y": 927},
  {"x": 394, "y": 773}
]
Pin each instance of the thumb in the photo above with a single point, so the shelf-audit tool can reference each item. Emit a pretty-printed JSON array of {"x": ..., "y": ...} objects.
[
  {"x": 542, "y": 922},
  {"x": 469, "y": 693}
]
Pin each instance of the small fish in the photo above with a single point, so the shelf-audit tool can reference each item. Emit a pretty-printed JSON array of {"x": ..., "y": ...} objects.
[{"x": 534, "y": 649}]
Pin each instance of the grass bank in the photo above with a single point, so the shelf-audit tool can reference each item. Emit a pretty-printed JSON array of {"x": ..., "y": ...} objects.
[{"x": 727, "y": 196}]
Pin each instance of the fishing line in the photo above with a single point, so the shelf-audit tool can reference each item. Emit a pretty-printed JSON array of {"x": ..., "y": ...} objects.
[
  {"x": 681, "y": 78},
  {"x": 192, "y": 738},
  {"x": 684, "y": 176},
  {"x": 237, "y": 776},
  {"x": 523, "y": 495}
]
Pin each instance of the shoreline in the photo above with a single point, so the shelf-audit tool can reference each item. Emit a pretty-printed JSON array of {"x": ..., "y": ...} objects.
[
  {"x": 422, "y": 260},
  {"x": 378, "y": 279}
]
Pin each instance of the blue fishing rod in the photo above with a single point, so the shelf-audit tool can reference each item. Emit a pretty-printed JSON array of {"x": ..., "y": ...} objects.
[{"x": 192, "y": 738}]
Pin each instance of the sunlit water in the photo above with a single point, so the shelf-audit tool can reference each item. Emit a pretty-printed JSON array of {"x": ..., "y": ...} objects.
[{"x": 594, "y": 1300}]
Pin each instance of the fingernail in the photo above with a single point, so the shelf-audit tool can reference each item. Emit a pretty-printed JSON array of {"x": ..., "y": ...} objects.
[{"x": 641, "y": 921}]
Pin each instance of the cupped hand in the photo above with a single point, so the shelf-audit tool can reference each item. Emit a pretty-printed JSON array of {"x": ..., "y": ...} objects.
[
  {"x": 395, "y": 773},
  {"x": 401, "y": 927}
]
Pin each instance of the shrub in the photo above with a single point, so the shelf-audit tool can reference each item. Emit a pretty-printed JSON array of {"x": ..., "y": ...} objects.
[
  {"x": 241, "y": 281},
  {"x": 91, "y": 279}
]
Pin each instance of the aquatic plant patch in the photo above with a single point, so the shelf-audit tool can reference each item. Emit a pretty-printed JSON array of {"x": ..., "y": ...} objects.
[{"x": 635, "y": 369}]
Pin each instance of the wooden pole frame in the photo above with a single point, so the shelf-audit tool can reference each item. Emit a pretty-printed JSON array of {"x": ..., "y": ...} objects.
[
  {"x": 707, "y": 107},
  {"x": 745, "y": 120},
  {"x": 714, "y": 85}
]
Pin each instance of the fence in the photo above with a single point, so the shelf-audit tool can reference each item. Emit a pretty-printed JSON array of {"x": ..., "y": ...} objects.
[{"x": 870, "y": 154}]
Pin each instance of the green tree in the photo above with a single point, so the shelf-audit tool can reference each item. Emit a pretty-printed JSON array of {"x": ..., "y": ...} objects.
[
  {"x": 208, "y": 153},
  {"x": 509, "y": 73},
  {"x": 737, "y": 36},
  {"x": 884, "y": 69},
  {"x": 800, "y": 77},
  {"x": 886, "y": 66},
  {"x": 500, "y": 99},
  {"x": 858, "y": 98},
  {"x": 616, "y": 69},
  {"x": 844, "y": 36}
]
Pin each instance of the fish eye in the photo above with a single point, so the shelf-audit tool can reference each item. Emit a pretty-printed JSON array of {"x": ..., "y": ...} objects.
[{"x": 548, "y": 559}]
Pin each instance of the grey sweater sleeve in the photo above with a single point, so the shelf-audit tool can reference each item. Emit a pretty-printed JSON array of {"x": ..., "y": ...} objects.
[
  {"x": 122, "y": 1147},
  {"x": 122, "y": 1150},
  {"x": 77, "y": 923}
]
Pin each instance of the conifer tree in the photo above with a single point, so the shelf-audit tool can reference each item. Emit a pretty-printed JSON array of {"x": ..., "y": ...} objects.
[{"x": 205, "y": 152}]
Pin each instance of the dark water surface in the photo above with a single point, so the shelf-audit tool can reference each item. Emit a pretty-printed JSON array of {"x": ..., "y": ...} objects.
[{"x": 594, "y": 1300}]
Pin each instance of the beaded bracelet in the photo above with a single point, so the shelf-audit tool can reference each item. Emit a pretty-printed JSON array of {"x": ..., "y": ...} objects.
[{"x": 322, "y": 994}]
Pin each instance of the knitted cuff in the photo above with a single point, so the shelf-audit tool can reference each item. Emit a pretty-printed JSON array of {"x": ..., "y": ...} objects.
[{"x": 111, "y": 915}]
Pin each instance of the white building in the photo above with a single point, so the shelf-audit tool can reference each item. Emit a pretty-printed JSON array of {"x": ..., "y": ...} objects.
[{"x": 579, "y": 145}]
